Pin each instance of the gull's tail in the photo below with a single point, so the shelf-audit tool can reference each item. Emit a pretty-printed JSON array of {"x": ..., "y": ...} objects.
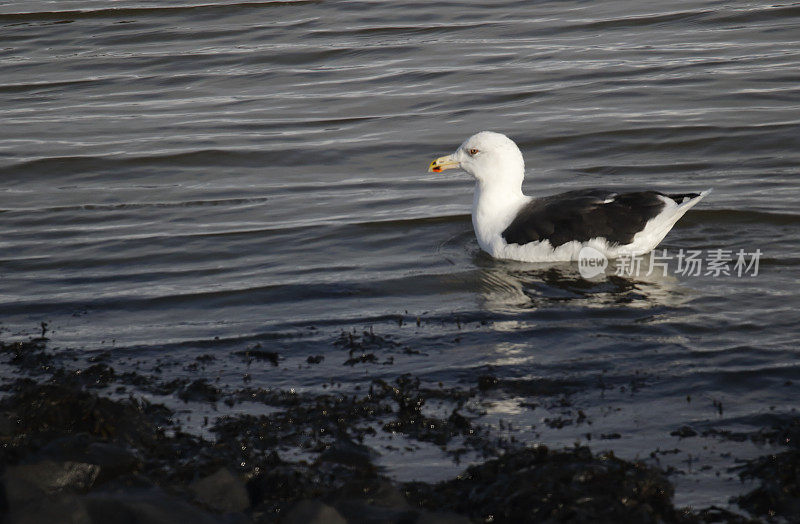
[{"x": 657, "y": 228}]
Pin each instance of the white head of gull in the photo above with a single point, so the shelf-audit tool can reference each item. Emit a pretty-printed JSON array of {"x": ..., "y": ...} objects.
[{"x": 510, "y": 225}]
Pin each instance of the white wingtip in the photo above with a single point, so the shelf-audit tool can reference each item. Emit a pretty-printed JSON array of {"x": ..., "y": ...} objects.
[{"x": 691, "y": 202}]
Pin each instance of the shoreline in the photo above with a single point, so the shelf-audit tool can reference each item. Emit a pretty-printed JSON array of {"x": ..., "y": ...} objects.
[{"x": 71, "y": 451}]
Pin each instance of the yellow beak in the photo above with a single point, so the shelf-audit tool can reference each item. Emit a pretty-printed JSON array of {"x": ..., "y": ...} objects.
[{"x": 442, "y": 163}]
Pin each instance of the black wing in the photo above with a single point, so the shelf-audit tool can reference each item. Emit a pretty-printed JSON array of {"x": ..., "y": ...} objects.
[{"x": 585, "y": 214}]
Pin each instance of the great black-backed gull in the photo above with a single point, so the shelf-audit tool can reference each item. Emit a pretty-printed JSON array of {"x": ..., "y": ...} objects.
[{"x": 510, "y": 225}]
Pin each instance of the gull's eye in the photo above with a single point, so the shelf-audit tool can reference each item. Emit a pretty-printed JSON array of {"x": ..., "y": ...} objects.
[{"x": 473, "y": 151}]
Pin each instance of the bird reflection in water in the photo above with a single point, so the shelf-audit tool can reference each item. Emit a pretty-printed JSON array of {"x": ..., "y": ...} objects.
[{"x": 507, "y": 286}]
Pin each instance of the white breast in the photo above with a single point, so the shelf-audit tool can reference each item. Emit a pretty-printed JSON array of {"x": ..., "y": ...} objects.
[{"x": 492, "y": 212}]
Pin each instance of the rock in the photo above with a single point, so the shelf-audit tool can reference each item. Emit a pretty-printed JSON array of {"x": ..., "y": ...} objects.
[
  {"x": 222, "y": 491},
  {"x": 259, "y": 354},
  {"x": 112, "y": 460},
  {"x": 684, "y": 432},
  {"x": 150, "y": 506},
  {"x": 97, "y": 375},
  {"x": 486, "y": 382},
  {"x": 442, "y": 517},
  {"x": 538, "y": 485},
  {"x": 28, "y": 482},
  {"x": 358, "y": 510},
  {"x": 348, "y": 453},
  {"x": 199, "y": 391},
  {"x": 313, "y": 512},
  {"x": 7, "y": 423},
  {"x": 386, "y": 494},
  {"x": 48, "y": 411},
  {"x": 778, "y": 493},
  {"x": 66, "y": 509}
]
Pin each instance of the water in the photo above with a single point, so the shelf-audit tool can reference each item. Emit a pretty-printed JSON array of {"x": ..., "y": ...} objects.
[{"x": 180, "y": 178}]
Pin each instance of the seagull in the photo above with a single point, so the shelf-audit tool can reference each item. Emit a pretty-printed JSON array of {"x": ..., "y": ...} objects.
[{"x": 511, "y": 225}]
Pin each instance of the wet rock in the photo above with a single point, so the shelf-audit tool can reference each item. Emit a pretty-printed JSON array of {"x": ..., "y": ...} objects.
[
  {"x": 112, "y": 460},
  {"x": 410, "y": 420},
  {"x": 222, "y": 491},
  {"x": 48, "y": 411},
  {"x": 715, "y": 514},
  {"x": 199, "y": 391},
  {"x": 364, "y": 358},
  {"x": 785, "y": 431},
  {"x": 535, "y": 484},
  {"x": 362, "y": 512},
  {"x": 67, "y": 509},
  {"x": 487, "y": 382},
  {"x": 789, "y": 433},
  {"x": 281, "y": 485},
  {"x": 97, "y": 375},
  {"x": 308, "y": 421},
  {"x": 684, "y": 432},
  {"x": 346, "y": 452},
  {"x": 71, "y": 455},
  {"x": 256, "y": 353},
  {"x": 779, "y": 491},
  {"x": 313, "y": 512},
  {"x": 25, "y": 484},
  {"x": 381, "y": 500},
  {"x": 442, "y": 517},
  {"x": 8, "y": 421},
  {"x": 385, "y": 502},
  {"x": 30, "y": 355},
  {"x": 558, "y": 422},
  {"x": 148, "y": 506},
  {"x": 388, "y": 495}
]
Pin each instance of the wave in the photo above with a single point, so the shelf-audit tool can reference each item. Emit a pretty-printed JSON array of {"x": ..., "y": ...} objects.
[
  {"x": 134, "y": 11},
  {"x": 744, "y": 216}
]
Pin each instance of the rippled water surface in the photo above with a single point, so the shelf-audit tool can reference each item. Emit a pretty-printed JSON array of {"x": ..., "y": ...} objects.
[{"x": 180, "y": 178}]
